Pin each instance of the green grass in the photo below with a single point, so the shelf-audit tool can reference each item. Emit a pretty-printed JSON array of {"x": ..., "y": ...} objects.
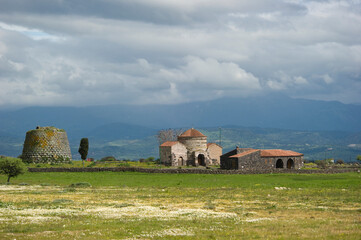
[
  {"x": 136, "y": 179},
  {"x": 181, "y": 206}
]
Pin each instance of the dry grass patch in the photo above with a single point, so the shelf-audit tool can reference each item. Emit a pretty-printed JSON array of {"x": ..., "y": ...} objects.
[{"x": 143, "y": 212}]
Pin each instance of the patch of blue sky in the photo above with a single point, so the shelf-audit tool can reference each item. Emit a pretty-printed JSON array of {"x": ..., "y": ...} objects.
[{"x": 34, "y": 34}]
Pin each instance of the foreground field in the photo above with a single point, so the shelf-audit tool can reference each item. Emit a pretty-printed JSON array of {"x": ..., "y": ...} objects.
[{"x": 181, "y": 206}]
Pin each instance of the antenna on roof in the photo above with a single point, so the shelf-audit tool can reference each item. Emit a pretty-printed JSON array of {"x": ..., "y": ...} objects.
[{"x": 220, "y": 136}]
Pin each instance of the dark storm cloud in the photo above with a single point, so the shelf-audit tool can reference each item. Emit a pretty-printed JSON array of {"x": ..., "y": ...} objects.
[
  {"x": 158, "y": 11},
  {"x": 167, "y": 51}
]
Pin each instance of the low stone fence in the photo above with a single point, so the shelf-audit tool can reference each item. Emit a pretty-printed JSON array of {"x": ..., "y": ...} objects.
[{"x": 195, "y": 170}]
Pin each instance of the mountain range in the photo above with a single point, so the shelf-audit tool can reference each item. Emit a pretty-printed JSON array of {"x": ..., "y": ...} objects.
[{"x": 128, "y": 131}]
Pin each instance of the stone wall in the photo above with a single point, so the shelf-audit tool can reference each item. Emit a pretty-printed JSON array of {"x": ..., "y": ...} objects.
[
  {"x": 175, "y": 155},
  {"x": 46, "y": 144},
  {"x": 225, "y": 163},
  {"x": 215, "y": 152},
  {"x": 165, "y": 154},
  {"x": 252, "y": 160},
  {"x": 298, "y": 161},
  {"x": 194, "y": 144}
]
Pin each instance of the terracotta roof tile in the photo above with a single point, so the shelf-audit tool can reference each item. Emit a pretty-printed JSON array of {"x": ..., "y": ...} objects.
[
  {"x": 279, "y": 153},
  {"x": 192, "y": 133},
  {"x": 169, "y": 143},
  {"x": 244, "y": 153}
]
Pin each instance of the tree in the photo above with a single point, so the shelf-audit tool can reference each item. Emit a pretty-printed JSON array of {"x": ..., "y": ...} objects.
[
  {"x": 165, "y": 135},
  {"x": 83, "y": 148},
  {"x": 12, "y": 167},
  {"x": 359, "y": 158}
]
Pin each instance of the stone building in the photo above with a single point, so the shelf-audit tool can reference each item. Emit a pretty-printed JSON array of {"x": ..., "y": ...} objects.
[
  {"x": 248, "y": 158},
  {"x": 46, "y": 144},
  {"x": 191, "y": 149}
]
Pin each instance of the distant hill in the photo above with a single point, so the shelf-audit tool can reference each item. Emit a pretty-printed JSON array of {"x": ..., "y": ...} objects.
[
  {"x": 313, "y": 144},
  {"x": 140, "y": 142},
  {"x": 265, "y": 112},
  {"x": 261, "y": 122}
]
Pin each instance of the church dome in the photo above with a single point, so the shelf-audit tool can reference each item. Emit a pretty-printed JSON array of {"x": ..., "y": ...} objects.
[{"x": 192, "y": 133}]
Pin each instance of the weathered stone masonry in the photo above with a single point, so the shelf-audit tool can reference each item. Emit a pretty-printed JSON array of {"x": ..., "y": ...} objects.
[
  {"x": 46, "y": 144},
  {"x": 191, "y": 149},
  {"x": 247, "y": 158}
]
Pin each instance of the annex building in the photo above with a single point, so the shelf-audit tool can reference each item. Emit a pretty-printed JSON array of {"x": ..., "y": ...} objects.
[
  {"x": 248, "y": 158},
  {"x": 191, "y": 149}
]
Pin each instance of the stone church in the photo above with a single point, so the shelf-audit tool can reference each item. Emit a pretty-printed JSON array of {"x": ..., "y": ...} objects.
[
  {"x": 191, "y": 149},
  {"x": 248, "y": 158}
]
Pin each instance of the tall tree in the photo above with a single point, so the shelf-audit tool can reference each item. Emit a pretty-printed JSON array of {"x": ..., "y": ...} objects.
[
  {"x": 83, "y": 148},
  {"x": 165, "y": 135},
  {"x": 12, "y": 167}
]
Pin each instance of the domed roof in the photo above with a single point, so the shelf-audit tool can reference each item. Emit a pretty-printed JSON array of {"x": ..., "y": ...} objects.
[{"x": 192, "y": 133}]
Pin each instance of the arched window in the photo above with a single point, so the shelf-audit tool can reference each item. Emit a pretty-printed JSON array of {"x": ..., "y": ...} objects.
[
  {"x": 290, "y": 163},
  {"x": 279, "y": 163}
]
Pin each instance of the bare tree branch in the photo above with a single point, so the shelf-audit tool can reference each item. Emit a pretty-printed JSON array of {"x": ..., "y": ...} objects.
[{"x": 165, "y": 135}]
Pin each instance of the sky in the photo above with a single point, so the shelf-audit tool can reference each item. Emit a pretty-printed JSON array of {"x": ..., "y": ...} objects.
[{"x": 96, "y": 52}]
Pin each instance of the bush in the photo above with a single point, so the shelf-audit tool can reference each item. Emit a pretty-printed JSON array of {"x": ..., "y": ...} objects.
[
  {"x": 91, "y": 165},
  {"x": 12, "y": 167},
  {"x": 340, "y": 161},
  {"x": 321, "y": 163}
]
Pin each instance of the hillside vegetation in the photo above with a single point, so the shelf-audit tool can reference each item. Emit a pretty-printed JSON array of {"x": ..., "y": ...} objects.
[{"x": 142, "y": 143}]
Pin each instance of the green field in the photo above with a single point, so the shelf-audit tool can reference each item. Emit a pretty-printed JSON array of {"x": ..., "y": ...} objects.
[{"x": 181, "y": 206}]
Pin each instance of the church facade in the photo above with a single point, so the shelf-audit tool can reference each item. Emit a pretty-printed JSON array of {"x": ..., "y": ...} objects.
[{"x": 190, "y": 149}]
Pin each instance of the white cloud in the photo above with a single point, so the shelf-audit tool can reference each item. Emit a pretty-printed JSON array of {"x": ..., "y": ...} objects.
[{"x": 174, "y": 51}]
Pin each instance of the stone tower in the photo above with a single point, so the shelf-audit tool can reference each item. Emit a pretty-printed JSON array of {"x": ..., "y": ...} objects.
[
  {"x": 46, "y": 144},
  {"x": 196, "y": 144}
]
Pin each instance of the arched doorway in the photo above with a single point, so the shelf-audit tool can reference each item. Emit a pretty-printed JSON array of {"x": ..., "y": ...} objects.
[
  {"x": 290, "y": 163},
  {"x": 180, "y": 161},
  {"x": 279, "y": 163},
  {"x": 201, "y": 160}
]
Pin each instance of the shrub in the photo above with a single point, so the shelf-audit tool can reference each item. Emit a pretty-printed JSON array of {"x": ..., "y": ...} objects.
[
  {"x": 321, "y": 163},
  {"x": 91, "y": 165},
  {"x": 340, "y": 161},
  {"x": 12, "y": 167}
]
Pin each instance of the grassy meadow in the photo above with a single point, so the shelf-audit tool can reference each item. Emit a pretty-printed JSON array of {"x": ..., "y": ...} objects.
[{"x": 134, "y": 205}]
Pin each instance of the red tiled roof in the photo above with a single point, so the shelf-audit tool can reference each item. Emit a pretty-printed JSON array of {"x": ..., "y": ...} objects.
[
  {"x": 169, "y": 143},
  {"x": 279, "y": 153},
  {"x": 244, "y": 153},
  {"x": 192, "y": 133}
]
